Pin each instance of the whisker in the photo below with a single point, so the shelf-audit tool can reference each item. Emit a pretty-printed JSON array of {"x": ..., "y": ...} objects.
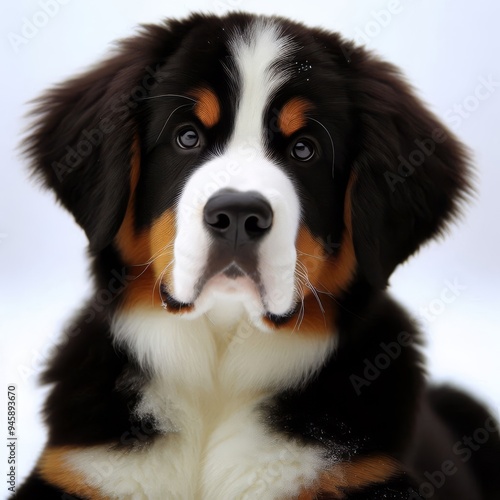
[
  {"x": 170, "y": 116},
  {"x": 300, "y": 316},
  {"x": 322, "y": 259},
  {"x": 296, "y": 293},
  {"x": 159, "y": 253},
  {"x": 302, "y": 312},
  {"x": 333, "y": 146},
  {"x": 159, "y": 279},
  {"x": 311, "y": 287},
  {"x": 155, "y": 255},
  {"x": 334, "y": 298},
  {"x": 168, "y": 95},
  {"x": 150, "y": 264}
]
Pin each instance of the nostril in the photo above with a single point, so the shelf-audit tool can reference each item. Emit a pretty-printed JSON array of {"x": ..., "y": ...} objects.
[
  {"x": 220, "y": 221},
  {"x": 256, "y": 226},
  {"x": 252, "y": 225}
]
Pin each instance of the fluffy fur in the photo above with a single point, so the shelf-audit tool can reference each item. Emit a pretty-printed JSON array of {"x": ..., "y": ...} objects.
[{"x": 247, "y": 186}]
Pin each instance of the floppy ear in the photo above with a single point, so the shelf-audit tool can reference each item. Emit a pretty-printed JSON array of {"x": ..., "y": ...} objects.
[
  {"x": 81, "y": 141},
  {"x": 410, "y": 171}
]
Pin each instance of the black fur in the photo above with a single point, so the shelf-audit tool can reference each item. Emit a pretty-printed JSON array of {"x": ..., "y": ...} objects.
[
  {"x": 397, "y": 205},
  {"x": 90, "y": 372},
  {"x": 36, "y": 487}
]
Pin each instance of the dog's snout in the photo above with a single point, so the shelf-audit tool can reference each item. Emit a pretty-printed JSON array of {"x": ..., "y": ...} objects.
[{"x": 238, "y": 217}]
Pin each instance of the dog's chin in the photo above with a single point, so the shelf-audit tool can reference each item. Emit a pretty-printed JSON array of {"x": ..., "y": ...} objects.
[{"x": 229, "y": 288}]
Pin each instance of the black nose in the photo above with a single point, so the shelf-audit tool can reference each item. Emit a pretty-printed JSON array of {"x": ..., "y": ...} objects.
[{"x": 238, "y": 218}]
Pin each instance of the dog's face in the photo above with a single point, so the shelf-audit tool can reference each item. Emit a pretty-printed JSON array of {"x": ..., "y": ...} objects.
[
  {"x": 251, "y": 159},
  {"x": 237, "y": 173}
]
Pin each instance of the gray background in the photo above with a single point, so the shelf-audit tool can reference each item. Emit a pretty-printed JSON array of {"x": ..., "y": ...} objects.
[{"x": 445, "y": 48}]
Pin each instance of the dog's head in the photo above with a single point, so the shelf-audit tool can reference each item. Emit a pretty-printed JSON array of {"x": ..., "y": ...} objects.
[{"x": 250, "y": 158}]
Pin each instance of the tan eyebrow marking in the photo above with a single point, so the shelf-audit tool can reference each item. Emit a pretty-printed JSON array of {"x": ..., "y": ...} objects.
[
  {"x": 293, "y": 115},
  {"x": 207, "y": 107}
]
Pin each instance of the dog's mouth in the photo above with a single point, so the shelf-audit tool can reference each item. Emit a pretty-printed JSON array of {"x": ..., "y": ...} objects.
[
  {"x": 233, "y": 281},
  {"x": 171, "y": 303}
]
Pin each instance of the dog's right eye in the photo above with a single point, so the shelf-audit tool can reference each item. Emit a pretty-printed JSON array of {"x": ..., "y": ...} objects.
[
  {"x": 303, "y": 150},
  {"x": 188, "y": 138}
]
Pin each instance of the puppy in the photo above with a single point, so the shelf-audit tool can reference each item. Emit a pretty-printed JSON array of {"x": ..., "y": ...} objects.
[{"x": 247, "y": 186}]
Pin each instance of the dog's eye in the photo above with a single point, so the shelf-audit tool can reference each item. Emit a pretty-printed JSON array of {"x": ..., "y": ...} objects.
[
  {"x": 303, "y": 150},
  {"x": 188, "y": 138}
]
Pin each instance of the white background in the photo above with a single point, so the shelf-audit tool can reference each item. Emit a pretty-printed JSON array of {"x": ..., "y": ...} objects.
[{"x": 445, "y": 48}]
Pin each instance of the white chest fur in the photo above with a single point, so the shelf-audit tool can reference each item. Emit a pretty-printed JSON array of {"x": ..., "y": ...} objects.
[{"x": 209, "y": 378}]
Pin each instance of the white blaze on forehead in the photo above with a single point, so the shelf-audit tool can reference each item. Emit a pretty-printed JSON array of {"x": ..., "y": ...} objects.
[{"x": 262, "y": 57}]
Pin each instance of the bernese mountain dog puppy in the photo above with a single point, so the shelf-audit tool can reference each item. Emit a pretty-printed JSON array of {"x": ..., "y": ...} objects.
[{"x": 247, "y": 186}]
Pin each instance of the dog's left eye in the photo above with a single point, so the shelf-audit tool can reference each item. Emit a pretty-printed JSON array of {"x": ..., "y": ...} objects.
[
  {"x": 188, "y": 138},
  {"x": 303, "y": 150}
]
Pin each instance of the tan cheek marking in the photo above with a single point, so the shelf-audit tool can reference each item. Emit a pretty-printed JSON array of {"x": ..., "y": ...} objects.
[
  {"x": 162, "y": 237},
  {"x": 207, "y": 107},
  {"x": 342, "y": 267},
  {"x": 55, "y": 469},
  {"x": 330, "y": 274},
  {"x": 293, "y": 116},
  {"x": 133, "y": 247},
  {"x": 355, "y": 475},
  {"x": 144, "y": 290},
  {"x": 145, "y": 251}
]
